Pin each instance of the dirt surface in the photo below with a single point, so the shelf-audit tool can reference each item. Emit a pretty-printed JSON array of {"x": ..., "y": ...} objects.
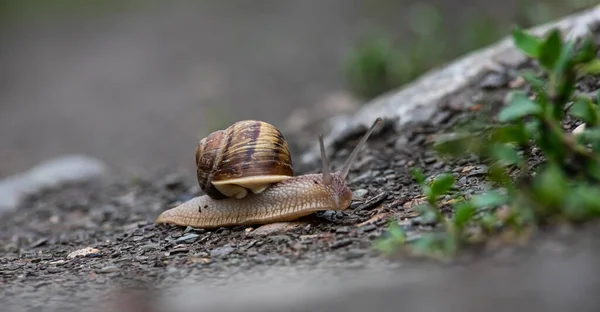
[{"x": 115, "y": 219}]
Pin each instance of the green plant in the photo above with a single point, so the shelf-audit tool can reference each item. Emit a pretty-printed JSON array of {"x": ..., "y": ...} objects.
[
  {"x": 563, "y": 185},
  {"x": 455, "y": 230},
  {"x": 571, "y": 161},
  {"x": 374, "y": 67}
]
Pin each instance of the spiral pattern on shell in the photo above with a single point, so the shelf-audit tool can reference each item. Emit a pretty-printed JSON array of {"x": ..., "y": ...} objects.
[{"x": 248, "y": 155}]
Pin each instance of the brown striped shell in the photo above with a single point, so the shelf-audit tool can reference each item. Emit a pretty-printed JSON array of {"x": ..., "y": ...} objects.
[{"x": 249, "y": 155}]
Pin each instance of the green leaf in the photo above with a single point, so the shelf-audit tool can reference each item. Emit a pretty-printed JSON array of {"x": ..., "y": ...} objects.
[
  {"x": 489, "y": 222},
  {"x": 394, "y": 238},
  {"x": 532, "y": 128},
  {"x": 563, "y": 62},
  {"x": 511, "y": 133},
  {"x": 590, "y": 136},
  {"x": 593, "y": 167},
  {"x": 590, "y": 68},
  {"x": 489, "y": 199},
  {"x": 497, "y": 173},
  {"x": 454, "y": 144},
  {"x": 585, "y": 109},
  {"x": 587, "y": 52},
  {"x": 505, "y": 154},
  {"x": 428, "y": 244},
  {"x": 582, "y": 203},
  {"x": 537, "y": 83},
  {"x": 520, "y": 106},
  {"x": 396, "y": 233},
  {"x": 417, "y": 175},
  {"x": 449, "y": 245},
  {"x": 464, "y": 213},
  {"x": 528, "y": 44},
  {"x": 550, "y": 49},
  {"x": 427, "y": 214},
  {"x": 442, "y": 184},
  {"x": 550, "y": 186}
]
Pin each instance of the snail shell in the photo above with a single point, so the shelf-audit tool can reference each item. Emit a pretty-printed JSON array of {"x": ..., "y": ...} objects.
[{"x": 249, "y": 155}]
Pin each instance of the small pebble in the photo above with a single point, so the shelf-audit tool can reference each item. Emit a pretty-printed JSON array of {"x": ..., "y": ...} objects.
[
  {"x": 360, "y": 193},
  {"x": 149, "y": 246},
  {"x": 579, "y": 129},
  {"x": 441, "y": 117},
  {"x": 343, "y": 230},
  {"x": 89, "y": 251},
  {"x": 373, "y": 201},
  {"x": 108, "y": 269},
  {"x": 493, "y": 80},
  {"x": 401, "y": 144},
  {"x": 430, "y": 160},
  {"x": 340, "y": 243},
  {"x": 142, "y": 258},
  {"x": 280, "y": 239},
  {"x": 355, "y": 253},
  {"x": 222, "y": 251},
  {"x": 39, "y": 242},
  {"x": 481, "y": 170},
  {"x": 188, "y": 229},
  {"x": 369, "y": 227},
  {"x": 363, "y": 177},
  {"x": 189, "y": 238},
  {"x": 177, "y": 250}
]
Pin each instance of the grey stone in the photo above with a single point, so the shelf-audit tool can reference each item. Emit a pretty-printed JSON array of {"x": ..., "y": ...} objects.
[
  {"x": 51, "y": 173},
  {"x": 421, "y": 99},
  {"x": 360, "y": 192},
  {"x": 401, "y": 144},
  {"x": 222, "y": 252},
  {"x": 188, "y": 238}
]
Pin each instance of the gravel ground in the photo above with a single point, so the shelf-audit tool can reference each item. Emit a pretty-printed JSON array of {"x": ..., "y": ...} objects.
[{"x": 114, "y": 221}]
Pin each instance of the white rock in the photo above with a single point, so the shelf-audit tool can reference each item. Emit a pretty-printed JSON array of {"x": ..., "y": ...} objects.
[
  {"x": 47, "y": 174},
  {"x": 83, "y": 252},
  {"x": 579, "y": 129},
  {"x": 420, "y": 100}
]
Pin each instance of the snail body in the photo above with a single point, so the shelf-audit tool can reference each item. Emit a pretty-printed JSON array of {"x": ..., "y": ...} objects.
[{"x": 272, "y": 195}]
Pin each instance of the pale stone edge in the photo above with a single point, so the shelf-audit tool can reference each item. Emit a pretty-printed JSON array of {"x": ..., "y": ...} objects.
[
  {"x": 47, "y": 174},
  {"x": 420, "y": 99}
]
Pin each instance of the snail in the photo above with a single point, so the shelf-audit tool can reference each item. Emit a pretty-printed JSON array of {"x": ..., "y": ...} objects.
[{"x": 247, "y": 176}]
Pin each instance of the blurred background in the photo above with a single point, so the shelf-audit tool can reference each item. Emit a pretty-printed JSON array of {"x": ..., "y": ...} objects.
[{"x": 136, "y": 83}]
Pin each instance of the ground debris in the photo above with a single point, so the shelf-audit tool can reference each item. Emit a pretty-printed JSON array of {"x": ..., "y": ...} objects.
[{"x": 84, "y": 252}]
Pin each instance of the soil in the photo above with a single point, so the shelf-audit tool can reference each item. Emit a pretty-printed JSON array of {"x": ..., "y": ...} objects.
[{"x": 115, "y": 219}]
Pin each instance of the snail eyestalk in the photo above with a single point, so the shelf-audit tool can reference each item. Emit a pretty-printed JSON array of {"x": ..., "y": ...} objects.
[
  {"x": 324, "y": 163},
  {"x": 360, "y": 144}
]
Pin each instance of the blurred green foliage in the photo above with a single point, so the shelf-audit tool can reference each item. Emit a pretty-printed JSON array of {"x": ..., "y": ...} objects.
[
  {"x": 377, "y": 65},
  {"x": 561, "y": 184}
]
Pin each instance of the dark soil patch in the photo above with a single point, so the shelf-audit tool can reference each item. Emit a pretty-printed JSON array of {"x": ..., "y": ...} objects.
[{"x": 116, "y": 218}]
